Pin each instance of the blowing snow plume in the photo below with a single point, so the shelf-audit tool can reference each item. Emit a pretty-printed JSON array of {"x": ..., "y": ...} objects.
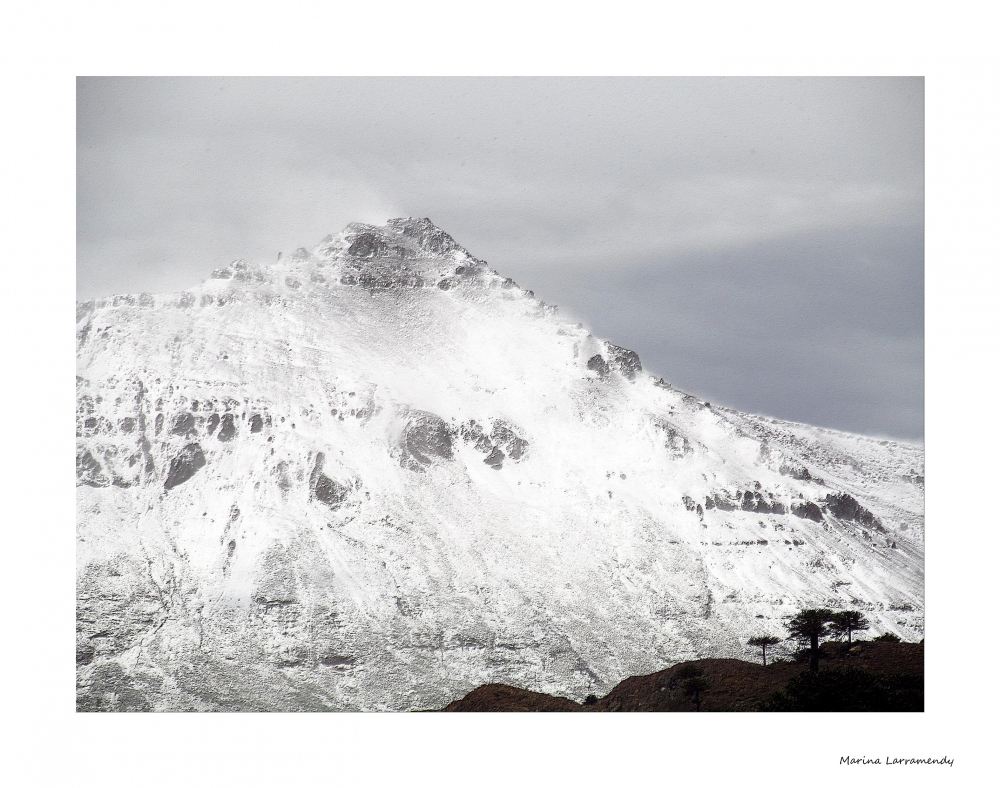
[{"x": 377, "y": 474}]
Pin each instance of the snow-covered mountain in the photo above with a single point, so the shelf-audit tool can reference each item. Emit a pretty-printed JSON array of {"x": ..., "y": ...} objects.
[{"x": 378, "y": 474}]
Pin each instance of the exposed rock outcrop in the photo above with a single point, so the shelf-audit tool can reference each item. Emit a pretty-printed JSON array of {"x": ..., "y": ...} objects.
[
  {"x": 184, "y": 465},
  {"x": 625, "y": 361},
  {"x": 323, "y": 488},
  {"x": 426, "y": 439}
]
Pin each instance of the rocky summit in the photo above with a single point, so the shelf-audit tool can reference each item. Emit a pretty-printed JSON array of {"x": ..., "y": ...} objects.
[{"x": 377, "y": 474}]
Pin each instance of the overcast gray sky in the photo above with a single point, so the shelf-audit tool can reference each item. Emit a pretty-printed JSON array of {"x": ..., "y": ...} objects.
[{"x": 759, "y": 242}]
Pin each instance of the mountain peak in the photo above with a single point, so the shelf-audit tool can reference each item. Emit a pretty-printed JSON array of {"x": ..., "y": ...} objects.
[
  {"x": 398, "y": 239},
  {"x": 405, "y": 252}
]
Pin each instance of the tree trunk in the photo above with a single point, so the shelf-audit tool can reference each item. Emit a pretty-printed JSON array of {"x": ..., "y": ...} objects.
[
  {"x": 814, "y": 653},
  {"x": 763, "y": 651},
  {"x": 848, "y": 634},
  {"x": 697, "y": 701}
]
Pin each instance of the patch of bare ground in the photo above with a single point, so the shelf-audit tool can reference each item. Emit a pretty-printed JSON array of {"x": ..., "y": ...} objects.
[{"x": 501, "y": 697}]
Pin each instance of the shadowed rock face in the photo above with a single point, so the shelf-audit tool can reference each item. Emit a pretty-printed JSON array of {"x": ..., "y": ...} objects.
[
  {"x": 720, "y": 502},
  {"x": 336, "y": 661},
  {"x": 747, "y": 501},
  {"x": 88, "y": 471},
  {"x": 377, "y": 276},
  {"x": 798, "y": 472},
  {"x": 472, "y": 432},
  {"x": 183, "y": 424},
  {"x": 429, "y": 238},
  {"x": 808, "y": 511},
  {"x": 323, "y": 488},
  {"x": 185, "y": 465},
  {"x": 755, "y": 502},
  {"x": 367, "y": 246},
  {"x": 426, "y": 438},
  {"x": 625, "y": 361},
  {"x": 846, "y": 507},
  {"x": 597, "y": 364},
  {"x": 406, "y": 239},
  {"x": 505, "y": 437},
  {"x": 228, "y": 430},
  {"x": 502, "y": 443},
  {"x": 495, "y": 459},
  {"x": 385, "y": 258}
]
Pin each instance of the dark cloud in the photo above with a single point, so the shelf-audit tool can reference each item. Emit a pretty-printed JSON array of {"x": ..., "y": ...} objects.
[{"x": 747, "y": 236}]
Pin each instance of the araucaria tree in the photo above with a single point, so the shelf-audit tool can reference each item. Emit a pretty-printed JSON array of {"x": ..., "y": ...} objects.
[
  {"x": 848, "y": 622},
  {"x": 811, "y": 625},
  {"x": 763, "y": 641}
]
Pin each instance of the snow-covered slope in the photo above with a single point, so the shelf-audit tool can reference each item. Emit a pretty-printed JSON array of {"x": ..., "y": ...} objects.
[{"x": 377, "y": 475}]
